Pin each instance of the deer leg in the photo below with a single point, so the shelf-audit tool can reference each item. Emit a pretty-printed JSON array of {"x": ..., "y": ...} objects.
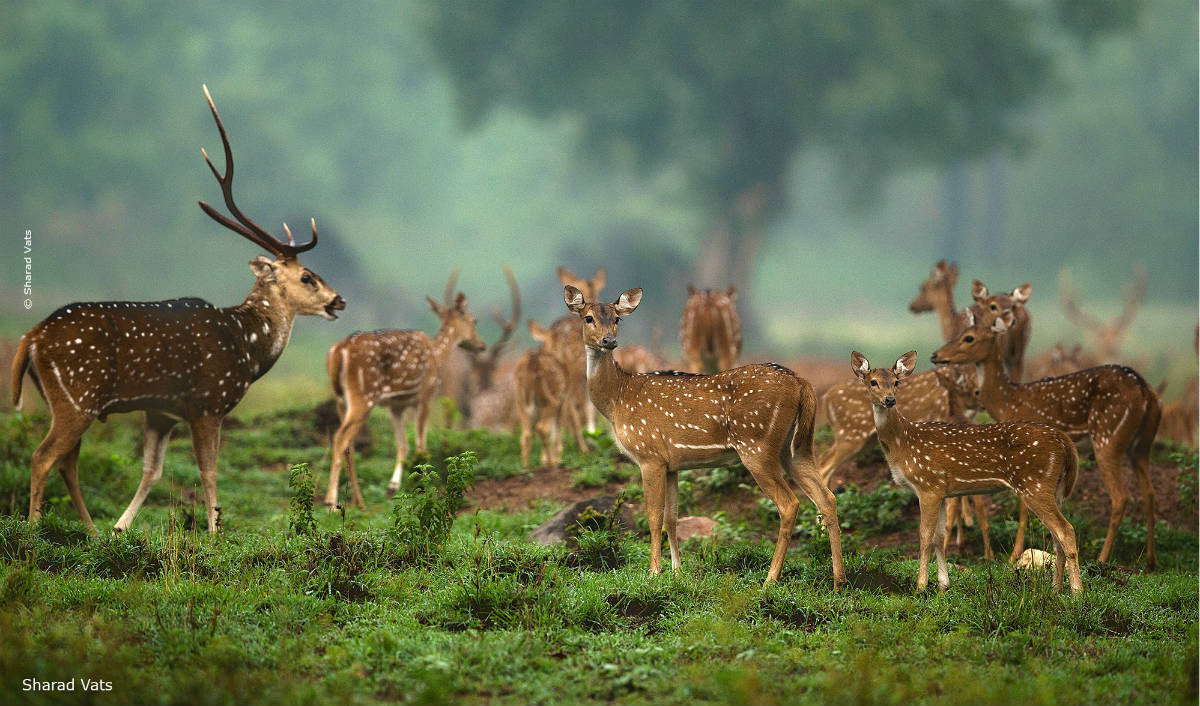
[
  {"x": 64, "y": 435},
  {"x": 572, "y": 411},
  {"x": 950, "y": 510},
  {"x": 343, "y": 445},
  {"x": 671, "y": 518},
  {"x": 654, "y": 476},
  {"x": 422, "y": 426},
  {"x": 543, "y": 437},
  {"x": 1110, "y": 472},
  {"x": 526, "y": 433},
  {"x": 769, "y": 476},
  {"x": 964, "y": 507},
  {"x": 401, "y": 435},
  {"x": 931, "y": 509},
  {"x": 1022, "y": 524},
  {"x": 556, "y": 441},
  {"x": 1051, "y": 516},
  {"x": 981, "y": 513},
  {"x": 158, "y": 433},
  {"x": 206, "y": 441},
  {"x": 939, "y": 548},
  {"x": 69, "y": 468},
  {"x": 819, "y": 493}
]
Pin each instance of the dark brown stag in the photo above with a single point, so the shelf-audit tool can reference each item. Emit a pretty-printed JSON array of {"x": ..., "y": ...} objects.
[{"x": 180, "y": 359}]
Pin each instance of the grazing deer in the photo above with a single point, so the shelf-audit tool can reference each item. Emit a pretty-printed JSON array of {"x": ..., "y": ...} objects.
[
  {"x": 180, "y": 359},
  {"x": 669, "y": 421},
  {"x": 541, "y": 392},
  {"x": 567, "y": 336},
  {"x": 936, "y": 459},
  {"x": 1108, "y": 337},
  {"x": 1112, "y": 405},
  {"x": 710, "y": 330},
  {"x": 398, "y": 368},
  {"x": 937, "y": 295}
]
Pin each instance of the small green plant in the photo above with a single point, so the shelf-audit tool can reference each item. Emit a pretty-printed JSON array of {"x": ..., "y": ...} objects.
[
  {"x": 1186, "y": 481},
  {"x": 600, "y": 543},
  {"x": 300, "y": 507},
  {"x": 422, "y": 518},
  {"x": 598, "y": 472}
]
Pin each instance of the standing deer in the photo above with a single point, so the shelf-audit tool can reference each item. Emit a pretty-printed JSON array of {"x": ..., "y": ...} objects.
[
  {"x": 710, "y": 330},
  {"x": 1036, "y": 461},
  {"x": 1108, "y": 337},
  {"x": 399, "y": 368},
  {"x": 937, "y": 295},
  {"x": 179, "y": 359},
  {"x": 1111, "y": 404},
  {"x": 668, "y": 421},
  {"x": 1017, "y": 339},
  {"x": 541, "y": 392},
  {"x": 567, "y": 336}
]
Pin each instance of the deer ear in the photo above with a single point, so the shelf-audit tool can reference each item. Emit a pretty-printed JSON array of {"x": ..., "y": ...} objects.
[
  {"x": 437, "y": 308},
  {"x": 860, "y": 365},
  {"x": 538, "y": 332},
  {"x": 691, "y": 290},
  {"x": 969, "y": 316},
  {"x": 263, "y": 268},
  {"x": 1021, "y": 294},
  {"x": 952, "y": 273},
  {"x": 628, "y": 301},
  {"x": 599, "y": 279},
  {"x": 460, "y": 302},
  {"x": 1003, "y": 322},
  {"x": 567, "y": 277},
  {"x": 905, "y": 364},
  {"x": 978, "y": 291},
  {"x": 574, "y": 299},
  {"x": 732, "y": 292}
]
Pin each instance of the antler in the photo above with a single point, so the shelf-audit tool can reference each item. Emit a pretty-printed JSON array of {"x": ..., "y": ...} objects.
[
  {"x": 1135, "y": 293},
  {"x": 1070, "y": 303},
  {"x": 507, "y": 326},
  {"x": 451, "y": 283},
  {"x": 246, "y": 227}
]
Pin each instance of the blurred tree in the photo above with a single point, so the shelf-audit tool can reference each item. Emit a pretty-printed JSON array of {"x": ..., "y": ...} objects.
[{"x": 728, "y": 92}]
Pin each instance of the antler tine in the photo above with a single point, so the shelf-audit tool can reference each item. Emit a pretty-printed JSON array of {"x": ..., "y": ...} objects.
[
  {"x": 1070, "y": 305},
  {"x": 1135, "y": 293},
  {"x": 507, "y": 326},
  {"x": 247, "y": 228},
  {"x": 451, "y": 283}
]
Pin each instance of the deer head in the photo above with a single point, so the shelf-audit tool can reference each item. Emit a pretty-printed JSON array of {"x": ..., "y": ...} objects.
[
  {"x": 997, "y": 303},
  {"x": 600, "y": 320},
  {"x": 977, "y": 342},
  {"x": 590, "y": 287},
  {"x": 458, "y": 325},
  {"x": 293, "y": 286},
  {"x": 882, "y": 384},
  {"x": 937, "y": 289}
]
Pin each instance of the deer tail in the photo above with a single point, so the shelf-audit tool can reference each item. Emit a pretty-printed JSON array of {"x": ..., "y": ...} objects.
[
  {"x": 19, "y": 365},
  {"x": 333, "y": 365},
  {"x": 802, "y": 442},
  {"x": 1149, "y": 429},
  {"x": 1066, "y": 483}
]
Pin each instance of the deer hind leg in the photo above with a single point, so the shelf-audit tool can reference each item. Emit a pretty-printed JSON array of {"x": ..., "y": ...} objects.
[
  {"x": 805, "y": 475},
  {"x": 541, "y": 428},
  {"x": 939, "y": 548},
  {"x": 206, "y": 441},
  {"x": 1109, "y": 462},
  {"x": 1022, "y": 524},
  {"x": 845, "y": 445},
  {"x": 525, "y": 414},
  {"x": 343, "y": 445},
  {"x": 953, "y": 519},
  {"x": 572, "y": 411},
  {"x": 671, "y": 518},
  {"x": 64, "y": 436},
  {"x": 69, "y": 468},
  {"x": 768, "y": 473},
  {"x": 401, "y": 435},
  {"x": 981, "y": 514},
  {"x": 1066, "y": 551},
  {"x": 654, "y": 477},
  {"x": 158, "y": 433}
]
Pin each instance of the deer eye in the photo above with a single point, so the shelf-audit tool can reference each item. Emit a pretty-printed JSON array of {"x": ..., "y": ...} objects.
[
  {"x": 969, "y": 338},
  {"x": 617, "y": 320},
  {"x": 874, "y": 384},
  {"x": 306, "y": 278},
  {"x": 993, "y": 307},
  {"x": 589, "y": 319}
]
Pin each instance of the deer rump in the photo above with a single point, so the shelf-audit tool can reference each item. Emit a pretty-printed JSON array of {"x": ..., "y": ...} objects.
[
  {"x": 711, "y": 327},
  {"x": 102, "y": 352}
]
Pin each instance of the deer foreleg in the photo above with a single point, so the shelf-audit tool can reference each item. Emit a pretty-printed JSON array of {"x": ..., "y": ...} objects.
[
  {"x": 401, "y": 435},
  {"x": 654, "y": 476},
  {"x": 206, "y": 440},
  {"x": 158, "y": 433},
  {"x": 671, "y": 518}
]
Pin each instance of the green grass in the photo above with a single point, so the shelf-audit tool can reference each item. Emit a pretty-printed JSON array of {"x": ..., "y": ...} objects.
[{"x": 350, "y": 610}]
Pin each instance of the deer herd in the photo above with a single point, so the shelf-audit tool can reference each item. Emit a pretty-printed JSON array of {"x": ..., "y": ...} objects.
[{"x": 186, "y": 360}]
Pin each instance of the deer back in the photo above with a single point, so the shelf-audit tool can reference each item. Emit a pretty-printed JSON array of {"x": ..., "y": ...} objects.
[{"x": 375, "y": 365}]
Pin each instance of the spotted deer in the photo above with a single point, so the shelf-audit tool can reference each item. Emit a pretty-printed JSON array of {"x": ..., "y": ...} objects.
[
  {"x": 567, "y": 335},
  {"x": 710, "y": 331},
  {"x": 1111, "y": 404},
  {"x": 179, "y": 359},
  {"x": 668, "y": 421},
  {"x": 398, "y": 369},
  {"x": 541, "y": 392},
  {"x": 1017, "y": 340},
  {"x": 938, "y": 460}
]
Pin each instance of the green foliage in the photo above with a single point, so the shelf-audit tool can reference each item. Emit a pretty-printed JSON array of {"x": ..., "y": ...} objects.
[
  {"x": 599, "y": 545},
  {"x": 1185, "y": 482},
  {"x": 877, "y": 512},
  {"x": 300, "y": 507},
  {"x": 422, "y": 517}
]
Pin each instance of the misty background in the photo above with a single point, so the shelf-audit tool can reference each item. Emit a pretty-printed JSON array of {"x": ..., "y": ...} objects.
[{"x": 819, "y": 156}]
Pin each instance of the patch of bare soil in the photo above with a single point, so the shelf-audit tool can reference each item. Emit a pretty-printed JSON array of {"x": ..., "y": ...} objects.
[{"x": 521, "y": 492}]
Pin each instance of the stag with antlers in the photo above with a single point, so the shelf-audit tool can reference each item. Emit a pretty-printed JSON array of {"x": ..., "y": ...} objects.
[
  {"x": 1111, "y": 404},
  {"x": 1107, "y": 336},
  {"x": 666, "y": 422},
  {"x": 1036, "y": 461},
  {"x": 399, "y": 369},
  {"x": 180, "y": 359}
]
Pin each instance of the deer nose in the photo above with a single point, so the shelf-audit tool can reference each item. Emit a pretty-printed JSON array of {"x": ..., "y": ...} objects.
[
  {"x": 933, "y": 357},
  {"x": 609, "y": 342},
  {"x": 889, "y": 401},
  {"x": 338, "y": 303}
]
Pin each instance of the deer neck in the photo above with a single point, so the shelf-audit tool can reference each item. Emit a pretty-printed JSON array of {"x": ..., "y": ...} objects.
[
  {"x": 947, "y": 315},
  {"x": 995, "y": 387},
  {"x": 605, "y": 380},
  {"x": 889, "y": 425},
  {"x": 442, "y": 345},
  {"x": 266, "y": 322}
]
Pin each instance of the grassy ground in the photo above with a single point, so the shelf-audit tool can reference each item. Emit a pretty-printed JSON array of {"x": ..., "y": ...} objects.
[{"x": 383, "y": 606}]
